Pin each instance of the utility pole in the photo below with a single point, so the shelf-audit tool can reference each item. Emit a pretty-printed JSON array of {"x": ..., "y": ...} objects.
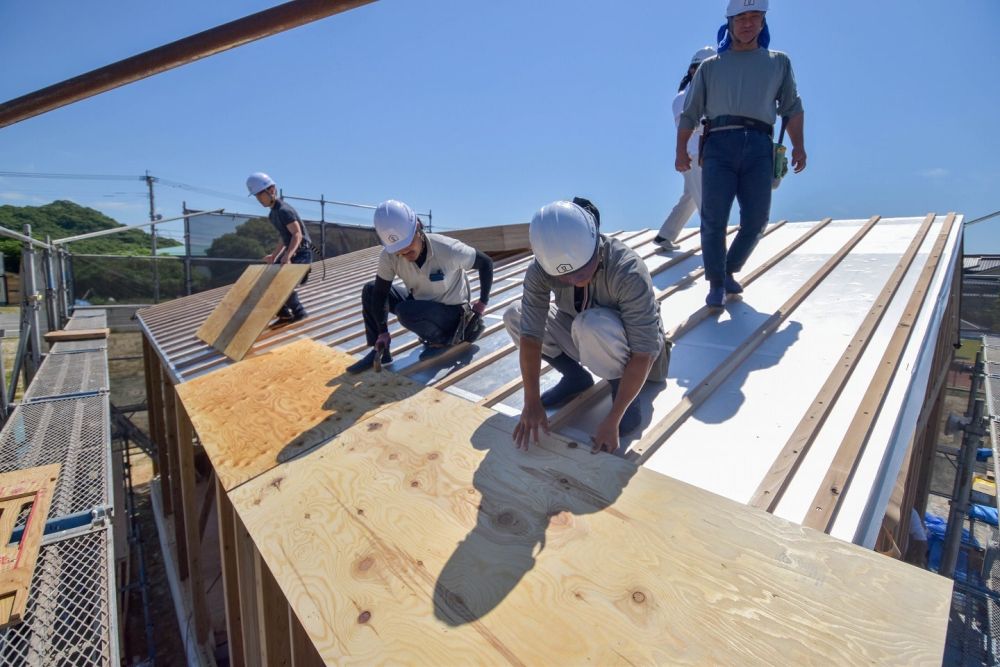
[
  {"x": 152, "y": 231},
  {"x": 322, "y": 226}
]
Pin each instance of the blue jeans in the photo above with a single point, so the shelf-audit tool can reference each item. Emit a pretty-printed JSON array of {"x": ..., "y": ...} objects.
[{"x": 736, "y": 164}]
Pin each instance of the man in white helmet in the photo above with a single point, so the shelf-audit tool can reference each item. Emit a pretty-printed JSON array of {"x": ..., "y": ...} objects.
[
  {"x": 435, "y": 303},
  {"x": 294, "y": 246},
  {"x": 740, "y": 93},
  {"x": 604, "y": 316},
  {"x": 690, "y": 200}
]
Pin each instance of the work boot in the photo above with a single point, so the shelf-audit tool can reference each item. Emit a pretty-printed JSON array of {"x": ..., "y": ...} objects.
[
  {"x": 289, "y": 318},
  {"x": 575, "y": 379},
  {"x": 732, "y": 286},
  {"x": 665, "y": 244},
  {"x": 632, "y": 417},
  {"x": 368, "y": 361},
  {"x": 474, "y": 329},
  {"x": 716, "y": 296}
]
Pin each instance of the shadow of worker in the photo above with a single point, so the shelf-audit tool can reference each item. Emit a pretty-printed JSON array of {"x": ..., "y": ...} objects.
[{"x": 529, "y": 502}]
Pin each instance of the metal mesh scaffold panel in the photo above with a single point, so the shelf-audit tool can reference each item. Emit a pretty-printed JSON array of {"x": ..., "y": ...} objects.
[
  {"x": 73, "y": 432},
  {"x": 62, "y": 374},
  {"x": 68, "y": 617},
  {"x": 70, "y": 346}
]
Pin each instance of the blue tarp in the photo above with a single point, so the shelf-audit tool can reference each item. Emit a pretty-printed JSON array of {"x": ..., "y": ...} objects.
[
  {"x": 936, "y": 528},
  {"x": 984, "y": 514}
]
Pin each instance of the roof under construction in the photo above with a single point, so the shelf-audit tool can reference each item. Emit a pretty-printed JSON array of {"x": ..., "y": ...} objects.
[{"x": 765, "y": 402}]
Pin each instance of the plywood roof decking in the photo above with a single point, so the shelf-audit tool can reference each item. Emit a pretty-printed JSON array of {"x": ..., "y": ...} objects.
[
  {"x": 453, "y": 545},
  {"x": 728, "y": 442}
]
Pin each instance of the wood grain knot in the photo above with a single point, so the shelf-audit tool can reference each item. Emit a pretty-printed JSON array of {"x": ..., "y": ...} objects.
[
  {"x": 638, "y": 597},
  {"x": 432, "y": 456},
  {"x": 277, "y": 483},
  {"x": 393, "y": 457},
  {"x": 366, "y": 563},
  {"x": 307, "y": 515},
  {"x": 364, "y": 617},
  {"x": 414, "y": 484},
  {"x": 361, "y": 511},
  {"x": 374, "y": 426},
  {"x": 505, "y": 519}
]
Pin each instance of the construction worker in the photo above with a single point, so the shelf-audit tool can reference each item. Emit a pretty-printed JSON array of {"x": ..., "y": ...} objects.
[
  {"x": 604, "y": 317},
  {"x": 740, "y": 92},
  {"x": 294, "y": 246},
  {"x": 690, "y": 200},
  {"x": 435, "y": 305}
]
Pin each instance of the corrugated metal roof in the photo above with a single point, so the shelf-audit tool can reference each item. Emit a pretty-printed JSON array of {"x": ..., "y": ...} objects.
[
  {"x": 741, "y": 382},
  {"x": 981, "y": 263}
]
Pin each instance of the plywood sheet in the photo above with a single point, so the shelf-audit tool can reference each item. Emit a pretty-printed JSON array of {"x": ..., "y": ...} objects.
[
  {"x": 248, "y": 307},
  {"x": 266, "y": 409},
  {"x": 420, "y": 535},
  {"x": 21, "y": 490},
  {"x": 76, "y": 334}
]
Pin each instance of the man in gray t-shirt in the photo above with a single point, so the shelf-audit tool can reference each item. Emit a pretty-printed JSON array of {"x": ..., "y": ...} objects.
[
  {"x": 588, "y": 301},
  {"x": 740, "y": 93}
]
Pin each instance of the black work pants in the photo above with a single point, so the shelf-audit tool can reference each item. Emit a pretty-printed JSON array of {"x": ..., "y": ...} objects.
[
  {"x": 433, "y": 322},
  {"x": 293, "y": 306}
]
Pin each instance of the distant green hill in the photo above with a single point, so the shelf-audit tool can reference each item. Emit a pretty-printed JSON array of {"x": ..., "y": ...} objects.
[{"x": 65, "y": 218}]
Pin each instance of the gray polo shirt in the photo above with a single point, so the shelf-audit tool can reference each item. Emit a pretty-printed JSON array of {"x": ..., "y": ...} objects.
[
  {"x": 622, "y": 282},
  {"x": 756, "y": 84},
  {"x": 441, "y": 278}
]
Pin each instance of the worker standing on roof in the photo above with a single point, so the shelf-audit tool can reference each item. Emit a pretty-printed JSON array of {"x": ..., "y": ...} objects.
[
  {"x": 294, "y": 246},
  {"x": 605, "y": 316},
  {"x": 740, "y": 92},
  {"x": 690, "y": 200},
  {"x": 435, "y": 305}
]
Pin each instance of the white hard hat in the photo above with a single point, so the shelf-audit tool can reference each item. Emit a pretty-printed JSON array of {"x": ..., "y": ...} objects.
[
  {"x": 702, "y": 54},
  {"x": 737, "y": 7},
  {"x": 563, "y": 237},
  {"x": 395, "y": 224},
  {"x": 258, "y": 182}
]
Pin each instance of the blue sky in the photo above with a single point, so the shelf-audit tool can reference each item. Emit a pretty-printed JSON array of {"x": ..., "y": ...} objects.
[{"x": 484, "y": 112}]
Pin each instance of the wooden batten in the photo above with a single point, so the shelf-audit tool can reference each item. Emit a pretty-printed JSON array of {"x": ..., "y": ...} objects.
[
  {"x": 230, "y": 574},
  {"x": 192, "y": 537}
]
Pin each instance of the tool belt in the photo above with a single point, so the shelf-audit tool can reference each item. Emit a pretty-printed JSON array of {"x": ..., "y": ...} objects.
[{"x": 720, "y": 123}]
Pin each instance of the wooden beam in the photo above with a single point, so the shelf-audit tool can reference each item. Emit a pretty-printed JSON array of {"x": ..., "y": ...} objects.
[
  {"x": 273, "y": 611},
  {"x": 776, "y": 480},
  {"x": 246, "y": 572},
  {"x": 823, "y": 510},
  {"x": 304, "y": 653},
  {"x": 181, "y": 52},
  {"x": 196, "y": 583},
  {"x": 230, "y": 575},
  {"x": 154, "y": 413},
  {"x": 175, "y": 484},
  {"x": 658, "y": 434}
]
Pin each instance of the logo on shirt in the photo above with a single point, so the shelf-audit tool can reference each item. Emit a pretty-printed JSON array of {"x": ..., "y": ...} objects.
[
  {"x": 393, "y": 238},
  {"x": 564, "y": 268}
]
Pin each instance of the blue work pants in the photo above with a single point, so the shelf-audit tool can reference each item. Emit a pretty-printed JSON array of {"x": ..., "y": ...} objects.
[{"x": 736, "y": 164}]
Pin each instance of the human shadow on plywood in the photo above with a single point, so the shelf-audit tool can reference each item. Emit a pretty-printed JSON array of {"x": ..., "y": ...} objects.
[
  {"x": 531, "y": 505},
  {"x": 713, "y": 342}
]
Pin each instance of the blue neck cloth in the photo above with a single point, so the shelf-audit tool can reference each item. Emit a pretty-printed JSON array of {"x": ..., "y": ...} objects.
[{"x": 725, "y": 40}]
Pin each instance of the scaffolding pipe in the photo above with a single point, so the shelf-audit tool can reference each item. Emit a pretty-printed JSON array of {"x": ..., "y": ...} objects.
[
  {"x": 115, "y": 230},
  {"x": 181, "y": 52}
]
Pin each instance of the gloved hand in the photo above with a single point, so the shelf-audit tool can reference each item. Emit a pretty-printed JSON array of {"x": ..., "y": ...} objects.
[
  {"x": 479, "y": 308},
  {"x": 382, "y": 342}
]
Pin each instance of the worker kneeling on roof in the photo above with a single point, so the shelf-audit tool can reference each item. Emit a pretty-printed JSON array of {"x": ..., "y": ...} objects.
[
  {"x": 605, "y": 316},
  {"x": 435, "y": 303}
]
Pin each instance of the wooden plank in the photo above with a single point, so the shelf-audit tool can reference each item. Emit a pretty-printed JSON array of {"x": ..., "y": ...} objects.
[
  {"x": 230, "y": 575},
  {"x": 831, "y": 490},
  {"x": 175, "y": 486},
  {"x": 782, "y": 470},
  {"x": 266, "y": 409},
  {"x": 77, "y": 334},
  {"x": 249, "y": 306},
  {"x": 192, "y": 538},
  {"x": 435, "y": 538},
  {"x": 152, "y": 409},
  {"x": 658, "y": 434},
  {"x": 18, "y": 490},
  {"x": 246, "y": 573},
  {"x": 272, "y": 610}
]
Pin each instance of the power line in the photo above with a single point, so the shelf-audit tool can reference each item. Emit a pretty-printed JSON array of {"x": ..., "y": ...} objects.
[{"x": 71, "y": 177}]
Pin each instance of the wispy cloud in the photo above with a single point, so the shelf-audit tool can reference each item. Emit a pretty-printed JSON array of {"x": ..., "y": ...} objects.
[
  {"x": 11, "y": 195},
  {"x": 936, "y": 172}
]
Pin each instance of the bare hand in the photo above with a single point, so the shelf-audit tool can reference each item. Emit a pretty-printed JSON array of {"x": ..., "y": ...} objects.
[
  {"x": 798, "y": 159},
  {"x": 269, "y": 258},
  {"x": 605, "y": 438},
  {"x": 479, "y": 308},
  {"x": 532, "y": 417},
  {"x": 683, "y": 162},
  {"x": 383, "y": 340}
]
